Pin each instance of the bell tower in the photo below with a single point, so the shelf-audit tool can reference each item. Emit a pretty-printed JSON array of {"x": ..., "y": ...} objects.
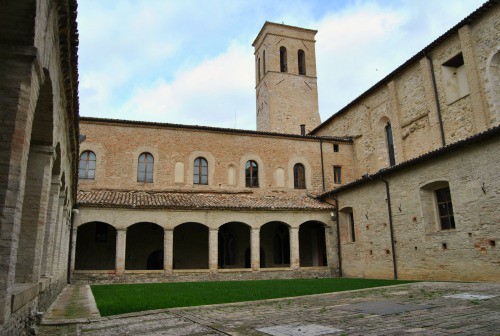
[{"x": 285, "y": 73}]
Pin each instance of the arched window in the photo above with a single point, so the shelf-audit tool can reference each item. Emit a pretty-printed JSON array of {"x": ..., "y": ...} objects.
[
  {"x": 301, "y": 56},
  {"x": 283, "y": 60},
  {"x": 200, "y": 171},
  {"x": 390, "y": 144},
  {"x": 145, "y": 168},
  {"x": 86, "y": 168},
  {"x": 299, "y": 176},
  {"x": 264, "y": 61},
  {"x": 251, "y": 174}
]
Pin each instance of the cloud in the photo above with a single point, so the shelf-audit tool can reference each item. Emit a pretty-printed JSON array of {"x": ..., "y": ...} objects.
[{"x": 211, "y": 93}]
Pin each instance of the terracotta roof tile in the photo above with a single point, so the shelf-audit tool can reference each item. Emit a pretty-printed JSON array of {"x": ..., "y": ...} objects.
[{"x": 132, "y": 199}]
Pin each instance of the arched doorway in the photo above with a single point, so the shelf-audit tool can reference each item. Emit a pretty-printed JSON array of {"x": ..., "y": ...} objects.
[
  {"x": 191, "y": 246},
  {"x": 95, "y": 247},
  {"x": 233, "y": 240},
  {"x": 144, "y": 239},
  {"x": 275, "y": 241},
  {"x": 312, "y": 244}
]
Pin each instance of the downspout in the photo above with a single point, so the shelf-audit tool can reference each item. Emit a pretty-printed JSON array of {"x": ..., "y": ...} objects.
[
  {"x": 339, "y": 251},
  {"x": 74, "y": 211},
  {"x": 391, "y": 228},
  {"x": 322, "y": 165},
  {"x": 436, "y": 99}
]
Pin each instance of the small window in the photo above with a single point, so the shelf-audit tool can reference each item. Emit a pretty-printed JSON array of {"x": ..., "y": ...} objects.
[
  {"x": 200, "y": 171},
  {"x": 86, "y": 168},
  {"x": 264, "y": 61},
  {"x": 301, "y": 56},
  {"x": 101, "y": 232},
  {"x": 258, "y": 68},
  {"x": 455, "y": 79},
  {"x": 390, "y": 144},
  {"x": 445, "y": 208},
  {"x": 299, "y": 176},
  {"x": 283, "y": 60},
  {"x": 335, "y": 148},
  {"x": 352, "y": 234},
  {"x": 337, "y": 174},
  {"x": 145, "y": 168},
  {"x": 251, "y": 174}
]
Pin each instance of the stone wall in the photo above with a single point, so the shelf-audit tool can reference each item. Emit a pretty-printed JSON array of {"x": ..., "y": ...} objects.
[
  {"x": 38, "y": 156},
  {"x": 406, "y": 98},
  {"x": 117, "y": 147},
  {"x": 423, "y": 249}
]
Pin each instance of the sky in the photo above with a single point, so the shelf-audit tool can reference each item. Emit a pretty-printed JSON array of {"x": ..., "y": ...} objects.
[{"x": 192, "y": 61}]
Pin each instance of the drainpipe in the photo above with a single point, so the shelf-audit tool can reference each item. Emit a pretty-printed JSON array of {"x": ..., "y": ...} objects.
[
  {"x": 74, "y": 211},
  {"x": 339, "y": 251},
  {"x": 436, "y": 98},
  {"x": 322, "y": 165},
  {"x": 391, "y": 228}
]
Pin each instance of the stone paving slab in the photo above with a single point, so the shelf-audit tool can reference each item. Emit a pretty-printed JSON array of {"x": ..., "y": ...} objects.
[
  {"x": 448, "y": 316},
  {"x": 384, "y": 307}
]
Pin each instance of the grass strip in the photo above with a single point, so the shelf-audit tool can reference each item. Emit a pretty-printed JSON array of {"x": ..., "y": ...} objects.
[{"x": 127, "y": 298}]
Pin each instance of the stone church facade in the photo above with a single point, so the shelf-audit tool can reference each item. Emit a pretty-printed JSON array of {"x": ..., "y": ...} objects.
[{"x": 403, "y": 182}]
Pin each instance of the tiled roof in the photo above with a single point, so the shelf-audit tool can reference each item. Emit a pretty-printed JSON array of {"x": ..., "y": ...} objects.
[
  {"x": 437, "y": 153},
  {"x": 132, "y": 199}
]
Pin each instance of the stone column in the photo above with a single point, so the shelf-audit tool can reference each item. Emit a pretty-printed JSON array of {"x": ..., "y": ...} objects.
[
  {"x": 121, "y": 243},
  {"x": 50, "y": 227},
  {"x": 213, "y": 251},
  {"x": 294, "y": 248},
  {"x": 34, "y": 213},
  {"x": 73, "y": 249},
  {"x": 168, "y": 250},
  {"x": 332, "y": 258},
  {"x": 255, "y": 249}
]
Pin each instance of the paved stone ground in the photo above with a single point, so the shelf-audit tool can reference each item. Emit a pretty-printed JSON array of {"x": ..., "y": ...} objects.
[{"x": 447, "y": 316}]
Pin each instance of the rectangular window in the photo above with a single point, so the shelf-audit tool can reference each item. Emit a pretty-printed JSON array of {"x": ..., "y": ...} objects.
[
  {"x": 445, "y": 208},
  {"x": 335, "y": 148},
  {"x": 337, "y": 174}
]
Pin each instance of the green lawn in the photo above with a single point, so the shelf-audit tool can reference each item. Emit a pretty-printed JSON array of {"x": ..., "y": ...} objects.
[{"x": 120, "y": 299}]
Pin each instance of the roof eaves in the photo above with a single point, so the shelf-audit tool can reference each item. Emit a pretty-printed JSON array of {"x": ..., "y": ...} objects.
[
  {"x": 212, "y": 129},
  {"x": 490, "y": 133}
]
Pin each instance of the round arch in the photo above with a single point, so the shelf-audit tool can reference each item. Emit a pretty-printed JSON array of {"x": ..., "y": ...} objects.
[
  {"x": 95, "y": 246},
  {"x": 144, "y": 246},
  {"x": 275, "y": 242},
  {"x": 312, "y": 244},
  {"x": 234, "y": 245},
  {"x": 190, "y": 246}
]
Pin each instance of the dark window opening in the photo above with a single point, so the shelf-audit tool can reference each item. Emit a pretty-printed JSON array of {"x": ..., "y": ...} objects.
[
  {"x": 101, "y": 232},
  {"x": 251, "y": 174},
  {"x": 299, "y": 176},
  {"x": 145, "y": 168},
  {"x": 335, "y": 148},
  {"x": 351, "y": 227},
  {"x": 302, "y": 62},
  {"x": 200, "y": 171},
  {"x": 258, "y": 67},
  {"x": 390, "y": 144},
  {"x": 283, "y": 60},
  {"x": 282, "y": 245},
  {"x": 445, "y": 208},
  {"x": 86, "y": 168},
  {"x": 264, "y": 62},
  {"x": 337, "y": 174}
]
